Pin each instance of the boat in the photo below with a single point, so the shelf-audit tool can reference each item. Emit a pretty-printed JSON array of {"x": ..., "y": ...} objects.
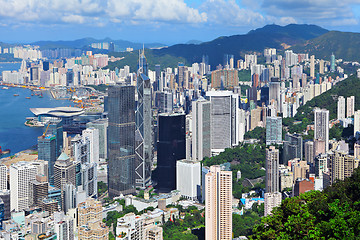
[
  {"x": 15, "y": 95},
  {"x": 6, "y": 151},
  {"x": 5, "y": 88},
  {"x": 28, "y": 97},
  {"x": 32, "y": 94},
  {"x": 41, "y": 95}
]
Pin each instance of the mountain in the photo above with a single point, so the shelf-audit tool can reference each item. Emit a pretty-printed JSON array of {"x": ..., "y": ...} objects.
[
  {"x": 272, "y": 36},
  {"x": 85, "y": 42},
  {"x": 345, "y": 45},
  {"x": 333, "y": 213}
]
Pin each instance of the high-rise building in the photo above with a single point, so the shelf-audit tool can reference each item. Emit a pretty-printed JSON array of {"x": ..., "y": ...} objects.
[
  {"x": 332, "y": 63},
  {"x": 201, "y": 145},
  {"x": 271, "y": 200},
  {"x": 224, "y": 78},
  {"x": 93, "y": 135},
  {"x": 39, "y": 190},
  {"x": 56, "y": 128},
  {"x": 321, "y": 132},
  {"x": 350, "y": 106},
  {"x": 309, "y": 152},
  {"x": 188, "y": 179},
  {"x": 164, "y": 101},
  {"x": 5, "y": 197},
  {"x": 47, "y": 152},
  {"x": 274, "y": 93},
  {"x": 342, "y": 165},
  {"x": 144, "y": 131},
  {"x": 302, "y": 186},
  {"x": 273, "y": 130},
  {"x": 293, "y": 147},
  {"x": 171, "y": 147},
  {"x": 356, "y": 122},
  {"x": 3, "y": 177},
  {"x": 21, "y": 174},
  {"x": 312, "y": 66},
  {"x": 121, "y": 140},
  {"x": 223, "y": 119},
  {"x": 272, "y": 170},
  {"x": 101, "y": 125},
  {"x": 63, "y": 226},
  {"x": 341, "y": 108},
  {"x": 218, "y": 204}
]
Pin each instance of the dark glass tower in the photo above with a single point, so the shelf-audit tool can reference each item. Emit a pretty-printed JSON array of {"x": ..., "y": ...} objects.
[
  {"x": 121, "y": 140},
  {"x": 171, "y": 147},
  {"x": 47, "y": 152}
]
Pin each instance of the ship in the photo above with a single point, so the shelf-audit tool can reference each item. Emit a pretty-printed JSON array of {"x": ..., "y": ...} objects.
[
  {"x": 15, "y": 95},
  {"x": 27, "y": 97},
  {"x": 6, "y": 151},
  {"x": 5, "y": 88}
]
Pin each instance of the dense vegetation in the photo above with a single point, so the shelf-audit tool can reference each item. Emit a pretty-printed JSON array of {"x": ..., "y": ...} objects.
[
  {"x": 331, "y": 214},
  {"x": 244, "y": 75},
  {"x": 102, "y": 188}
]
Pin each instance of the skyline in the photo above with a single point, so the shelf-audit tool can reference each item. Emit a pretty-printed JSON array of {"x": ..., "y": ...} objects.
[{"x": 168, "y": 22}]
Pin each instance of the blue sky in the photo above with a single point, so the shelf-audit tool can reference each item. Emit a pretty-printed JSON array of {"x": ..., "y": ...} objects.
[{"x": 165, "y": 21}]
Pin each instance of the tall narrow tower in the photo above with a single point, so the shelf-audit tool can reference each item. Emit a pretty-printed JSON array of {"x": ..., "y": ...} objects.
[{"x": 144, "y": 131}]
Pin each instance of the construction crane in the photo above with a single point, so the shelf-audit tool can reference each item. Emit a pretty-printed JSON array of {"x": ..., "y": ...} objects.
[{"x": 46, "y": 130}]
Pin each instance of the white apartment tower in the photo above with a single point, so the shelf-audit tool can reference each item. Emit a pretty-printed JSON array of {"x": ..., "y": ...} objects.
[
  {"x": 21, "y": 174},
  {"x": 271, "y": 200},
  {"x": 356, "y": 122},
  {"x": 272, "y": 170},
  {"x": 321, "y": 132},
  {"x": 201, "y": 129},
  {"x": 3, "y": 177},
  {"x": 218, "y": 204},
  {"x": 350, "y": 110},
  {"x": 188, "y": 179},
  {"x": 93, "y": 135},
  {"x": 341, "y": 108}
]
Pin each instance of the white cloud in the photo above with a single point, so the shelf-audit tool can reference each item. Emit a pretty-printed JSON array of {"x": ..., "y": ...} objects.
[
  {"x": 229, "y": 12},
  {"x": 73, "y": 19}
]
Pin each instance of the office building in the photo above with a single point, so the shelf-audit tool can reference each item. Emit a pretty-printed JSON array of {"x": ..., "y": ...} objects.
[
  {"x": 101, "y": 125},
  {"x": 272, "y": 170},
  {"x": 171, "y": 147},
  {"x": 2, "y": 213},
  {"x": 3, "y": 177},
  {"x": 201, "y": 145},
  {"x": 188, "y": 179},
  {"x": 218, "y": 204},
  {"x": 273, "y": 130},
  {"x": 302, "y": 186},
  {"x": 300, "y": 169},
  {"x": 309, "y": 152},
  {"x": 321, "y": 131},
  {"x": 39, "y": 190},
  {"x": 164, "y": 101},
  {"x": 21, "y": 174},
  {"x": 341, "y": 108},
  {"x": 121, "y": 140},
  {"x": 5, "y": 197},
  {"x": 271, "y": 200},
  {"x": 293, "y": 147},
  {"x": 274, "y": 93},
  {"x": 47, "y": 152},
  {"x": 332, "y": 63},
  {"x": 93, "y": 135},
  {"x": 321, "y": 164},
  {"x": 144, "y": 131},
  {"x": 55, "y": 127},
  {"x": 350, "y": 106},
  {"x": 223, "y": 119}
]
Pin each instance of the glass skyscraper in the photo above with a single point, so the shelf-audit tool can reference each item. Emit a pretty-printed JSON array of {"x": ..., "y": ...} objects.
[{"x": 121, "y": 140}]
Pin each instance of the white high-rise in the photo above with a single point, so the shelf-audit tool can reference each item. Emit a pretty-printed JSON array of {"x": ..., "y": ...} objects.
[
  {"x": 93, "y": 135},
  {"x": 223, "y": 119},
  {"x": 272, "y": 170},
  {"x": 201, "y": 129},
  {"x": 188, "y": 179},
  {"x": 321, "y": 132},
  {"x": 218, "y": 204},
  {"x": 3, "y": 177},
  {"x": 356, "y": 122},
  {"x": 21, "y": 174},
  {"x": 350, "y": 108},
  {"x": 312, "y": 66},
  {"x": 341, "y": 108},
  {"x": 271, "y": 200}
]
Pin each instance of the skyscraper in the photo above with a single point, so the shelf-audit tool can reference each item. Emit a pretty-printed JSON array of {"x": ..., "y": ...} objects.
[
  {"x": 47, "y": 152},
  {"x": 271, "y": 200},
  {"x": 350, "y": 106},
  {"x": 171, "y": 147},
  {"x": 356, "y": 122},
  {"x": 93, "y": 135},
  {"x": 332, "y": 63},
  {"x": 144, "y": 130},
  {"x": 121, "y": 140},
  {"x": 312, "y": 66},
  {"x": 218, "y": 204},
  {"x": 201, "y": 129},
  {"x": 341, "y": 108},
  {"x": 293, "y": 147},
  {"x": 272, "y": 170},
  {"x": 273, "y": 130},
  {"x": 21, "y": 174},
  {"x": 321, "y": 132},
  {"x": 3, "y": 177},
  {"x": 223, "y": 119}
]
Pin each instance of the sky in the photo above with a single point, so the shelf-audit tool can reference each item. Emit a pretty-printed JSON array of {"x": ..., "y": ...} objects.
[{"x": 164, "y": 21}]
